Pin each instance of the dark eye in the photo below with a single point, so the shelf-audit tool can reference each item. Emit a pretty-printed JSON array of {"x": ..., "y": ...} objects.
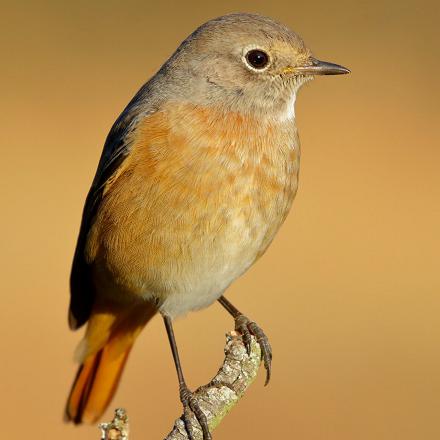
[{"x": 257, "y": 58}]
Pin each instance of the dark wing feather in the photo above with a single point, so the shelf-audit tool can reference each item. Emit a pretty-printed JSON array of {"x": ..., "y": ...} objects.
[{"x": 116, "y": 149}]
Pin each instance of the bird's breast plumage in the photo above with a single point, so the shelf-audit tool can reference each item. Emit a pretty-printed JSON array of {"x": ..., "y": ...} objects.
[{"x": 198, "y": 200}]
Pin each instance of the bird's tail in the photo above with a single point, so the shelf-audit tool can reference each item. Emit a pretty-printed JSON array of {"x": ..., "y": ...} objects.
[{"x": 102, "y": 354}]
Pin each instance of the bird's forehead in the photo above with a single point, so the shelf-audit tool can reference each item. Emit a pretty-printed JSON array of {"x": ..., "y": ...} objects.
[{"x": 239, "y": 30}]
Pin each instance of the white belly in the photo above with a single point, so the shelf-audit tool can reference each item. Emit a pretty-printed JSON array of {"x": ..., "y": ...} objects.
[{"x": 215, "y": 265}]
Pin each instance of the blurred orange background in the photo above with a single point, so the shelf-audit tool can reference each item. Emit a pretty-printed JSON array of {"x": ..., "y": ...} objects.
[{"x": 349, "y": 292}]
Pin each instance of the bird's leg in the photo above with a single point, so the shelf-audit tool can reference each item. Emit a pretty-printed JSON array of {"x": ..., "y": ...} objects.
[
  {"x": 247, "y": 328},
  {"x": 187, "y": 397}
]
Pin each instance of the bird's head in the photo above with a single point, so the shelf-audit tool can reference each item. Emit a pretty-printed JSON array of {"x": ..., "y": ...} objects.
[{"x": 246, "y": 63}]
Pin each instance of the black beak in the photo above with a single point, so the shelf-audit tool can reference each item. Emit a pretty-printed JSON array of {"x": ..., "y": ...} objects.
[{"x": 317, "y": 67}]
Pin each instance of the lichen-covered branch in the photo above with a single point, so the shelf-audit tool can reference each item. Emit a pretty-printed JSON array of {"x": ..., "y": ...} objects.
[
  {"x": 117, "y": 429},
  {"x": 230, "y": 383},
  {"x": 216, "y": 399}
]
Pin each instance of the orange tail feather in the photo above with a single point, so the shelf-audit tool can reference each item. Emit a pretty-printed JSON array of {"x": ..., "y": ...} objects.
[
  {"x": 94, "y": 386},
  {"x": 103, "y": 351}
]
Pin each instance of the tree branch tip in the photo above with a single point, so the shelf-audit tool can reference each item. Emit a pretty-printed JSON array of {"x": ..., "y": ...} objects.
[{"x": 216, "y": 399}]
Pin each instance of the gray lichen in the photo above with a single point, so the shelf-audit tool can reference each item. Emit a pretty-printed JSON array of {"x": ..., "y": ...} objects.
[{"x": 118, "y": 428}]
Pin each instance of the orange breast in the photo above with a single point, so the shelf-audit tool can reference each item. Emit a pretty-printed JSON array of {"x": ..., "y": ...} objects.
[{"x": 199, "y": 198}]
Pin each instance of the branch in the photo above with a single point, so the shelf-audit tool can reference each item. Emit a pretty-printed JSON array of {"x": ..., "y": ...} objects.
[
  {"x": 117, "y": 429},
  {"x": 216, "y": 399}
]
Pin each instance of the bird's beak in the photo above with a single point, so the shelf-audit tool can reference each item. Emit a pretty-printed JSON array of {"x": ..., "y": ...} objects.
[{"x": 317, "y": 67}]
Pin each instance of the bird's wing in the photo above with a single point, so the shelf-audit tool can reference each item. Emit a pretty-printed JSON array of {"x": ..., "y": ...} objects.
[{"x": 116, "y": 149}]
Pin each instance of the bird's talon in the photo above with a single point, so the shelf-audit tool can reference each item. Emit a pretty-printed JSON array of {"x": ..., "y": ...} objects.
[
  {"x": 247, "y": 328},
  {"x": 190, "y": 404},
  {"x": 187, "y": 421}
]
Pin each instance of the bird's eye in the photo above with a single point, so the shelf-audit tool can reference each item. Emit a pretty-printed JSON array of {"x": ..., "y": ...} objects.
[{"x": 257, "y": 58}]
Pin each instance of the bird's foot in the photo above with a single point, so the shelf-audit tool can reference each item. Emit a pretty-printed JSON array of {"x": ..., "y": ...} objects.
[
  {"x": 247, "y": 328},
  {"x": 190, "y": 404}
]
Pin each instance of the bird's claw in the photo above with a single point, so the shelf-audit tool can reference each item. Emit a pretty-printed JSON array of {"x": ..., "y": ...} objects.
[
  {"x": 190, "y": 404},
  {"x": 248, "y": 328}
]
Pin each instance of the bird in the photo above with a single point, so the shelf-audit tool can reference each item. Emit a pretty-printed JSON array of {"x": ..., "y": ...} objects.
[{"x": 196, "y": 177}]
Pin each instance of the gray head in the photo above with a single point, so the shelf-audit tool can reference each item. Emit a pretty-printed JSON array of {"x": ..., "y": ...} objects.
[{"x": 243, "y": 62}]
